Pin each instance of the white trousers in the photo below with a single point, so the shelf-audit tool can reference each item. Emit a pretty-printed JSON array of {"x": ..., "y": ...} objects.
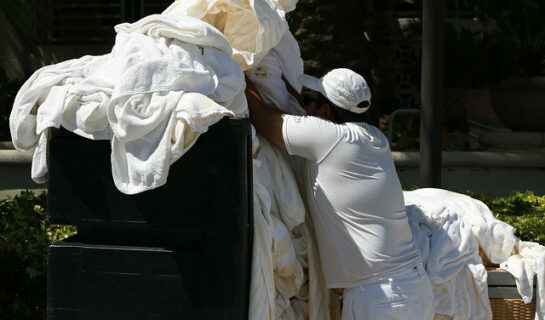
[{"x": 405, "y": 296}]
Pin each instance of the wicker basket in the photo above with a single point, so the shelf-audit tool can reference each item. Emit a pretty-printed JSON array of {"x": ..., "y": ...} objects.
[
  {"x": 512, "y": 309},
  {"x": 507, "y": 306}
]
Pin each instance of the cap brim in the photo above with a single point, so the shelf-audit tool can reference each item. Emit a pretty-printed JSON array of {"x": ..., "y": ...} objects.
[{"x": 311, "y": 82}]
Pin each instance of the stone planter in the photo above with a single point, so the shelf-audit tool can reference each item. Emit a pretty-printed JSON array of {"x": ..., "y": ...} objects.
[
  {"x": 494, "y": 173},
  {"x": 6, "y": 145},
  {"x": 520, "y": 103},
  {"x": 476, "y": 102},
  {"x": 15, "y": 169}
]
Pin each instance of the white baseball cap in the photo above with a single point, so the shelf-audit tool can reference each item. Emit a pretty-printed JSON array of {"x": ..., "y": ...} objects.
[{"x": 343, "y": 87}]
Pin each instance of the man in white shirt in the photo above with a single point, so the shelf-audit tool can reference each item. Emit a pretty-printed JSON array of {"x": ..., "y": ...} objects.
[{"x": 354, "y": 197}]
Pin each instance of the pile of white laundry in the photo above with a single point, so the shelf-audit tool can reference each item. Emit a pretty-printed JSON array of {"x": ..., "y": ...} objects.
[
  {"x": 286, "y": 280},
  {"x": 170, "y": 76},
  {"x": 166, "y": 80},
  {"x": 450, "y": 229}
]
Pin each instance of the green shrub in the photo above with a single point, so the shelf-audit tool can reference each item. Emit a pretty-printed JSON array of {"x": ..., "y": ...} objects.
[
  {"x": 523, "y": 210},
  {"x": 25, "y": 233}
]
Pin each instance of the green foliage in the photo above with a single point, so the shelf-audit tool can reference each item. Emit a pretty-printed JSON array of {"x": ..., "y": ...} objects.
[
  {"x": 523, "y": 210},
  {"x": 25, "y": 233}
]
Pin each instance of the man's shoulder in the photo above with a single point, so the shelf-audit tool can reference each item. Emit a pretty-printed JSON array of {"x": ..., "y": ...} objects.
[
  {"x": 364, "y": 126},
  {"x": 316, "y": 123},
  {"x": 369, "y": 133}
]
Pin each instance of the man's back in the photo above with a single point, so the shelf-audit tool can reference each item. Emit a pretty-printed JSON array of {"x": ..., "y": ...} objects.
[{"x": 355, "y": 199}]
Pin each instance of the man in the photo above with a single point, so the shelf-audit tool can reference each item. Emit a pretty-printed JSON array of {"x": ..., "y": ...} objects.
[{"x": 354, "y": 197}]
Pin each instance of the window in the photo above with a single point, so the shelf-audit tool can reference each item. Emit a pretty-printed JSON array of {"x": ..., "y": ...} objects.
[{"x": 89, "y": 22}]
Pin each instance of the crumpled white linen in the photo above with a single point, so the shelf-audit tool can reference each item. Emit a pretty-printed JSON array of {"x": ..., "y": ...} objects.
[
  {"x": 288, "y": 274},
  {"x": 40, "y": 103},
  {"x": 523, "y": 267},
  {"x": 309, "y": 295},
  {"x": 287, "y": 202},
  {"x": 529, "y": 263},
  {"x": 451, "y": 241},
  {"x": 283, "y": 61},
  {"x": 252, "y": 27},
  {"x": 277, "y": 275},
  {"x": 262, "y": 288},
  {"x": 314, "y": 292},
  {"x": 283, "y": 263},
  {"x": 166, "y": 80},
  {"x": 288, "y": 56},
  {"x": 540, "y": 296},
  {"x": 524, "y": 260},
  {"x": 309, "y": 298},
  {"x": 450, "y": 253},
  {"x": 496, "y": 238},
  {"x": 469, "y": 292}
]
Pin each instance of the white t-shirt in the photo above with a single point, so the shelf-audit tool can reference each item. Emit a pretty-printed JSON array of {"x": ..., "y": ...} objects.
[{"x": 354, "y": 197}]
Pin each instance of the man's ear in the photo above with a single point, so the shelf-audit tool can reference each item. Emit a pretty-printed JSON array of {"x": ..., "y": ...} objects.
[{"x": 325, "y": 112}]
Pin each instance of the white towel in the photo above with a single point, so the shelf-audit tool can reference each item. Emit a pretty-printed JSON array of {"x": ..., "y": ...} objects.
[
  {"x": 54, "y": 87},
  {"x": 146, "y": 102},
  {"x": 174, "y": 32}
]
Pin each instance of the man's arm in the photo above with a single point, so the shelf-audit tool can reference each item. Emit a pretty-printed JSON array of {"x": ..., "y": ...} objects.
[{"x": 267, "y": 120}]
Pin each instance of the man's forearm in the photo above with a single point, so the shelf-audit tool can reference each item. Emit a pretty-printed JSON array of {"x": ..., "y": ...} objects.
[{"x": 267, "y": 120}]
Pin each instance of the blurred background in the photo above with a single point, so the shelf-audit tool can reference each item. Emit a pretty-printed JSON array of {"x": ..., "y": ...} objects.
[
  {"x": 493, "y": 112},
  {"x": 494, "y": 56}
]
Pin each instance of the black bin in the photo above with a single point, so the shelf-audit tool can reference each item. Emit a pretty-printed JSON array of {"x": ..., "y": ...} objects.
[{"x": 181, "y": 251}]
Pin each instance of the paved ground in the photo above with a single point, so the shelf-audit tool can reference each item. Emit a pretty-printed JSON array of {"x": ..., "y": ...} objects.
[{"x": 5, "y": 193}]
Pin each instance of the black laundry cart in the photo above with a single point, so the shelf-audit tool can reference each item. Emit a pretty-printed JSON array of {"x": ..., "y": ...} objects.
[{"x": 181, "y": 251}]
